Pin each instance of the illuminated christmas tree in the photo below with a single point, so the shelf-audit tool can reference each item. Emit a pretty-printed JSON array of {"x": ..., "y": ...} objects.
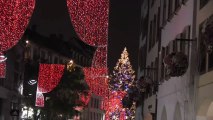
[{"x": 123, "y": 74}]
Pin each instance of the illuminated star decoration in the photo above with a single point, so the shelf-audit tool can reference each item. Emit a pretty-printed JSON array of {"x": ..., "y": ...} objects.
[
  {"x": 14, "y": 18},
  {"x": 49, "y": 77}
]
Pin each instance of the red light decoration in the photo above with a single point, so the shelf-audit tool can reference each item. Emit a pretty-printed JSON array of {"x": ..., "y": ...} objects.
[
  {"x": 100, "y": 57},
  {"x": 85, "y": 98},
  {"x": 2, "y": 69},
  {"x": 49, "y": 77},
  {"x": 90, "y": 20},
  {"x": 97, "y": 80},
  {"x": 14, "y": 17},
  {"x": 115, "y": 105},
  {"x": 78, "y": 108}
]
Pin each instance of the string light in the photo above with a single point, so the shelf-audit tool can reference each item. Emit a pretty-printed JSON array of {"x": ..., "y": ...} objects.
[
  {"x": 115, "y": 107},
  {"x": 123, "y": 74},
  {"x": 49, "y": 77},
  {"x": 2, "y": 69},
  {"x": 97, "y": 80},
  {"x": 90, "y": 20},
  {"x": 15, "y": 15},
  {"x": 85, "y": 97},
  {"x": 70, "y": 66}
]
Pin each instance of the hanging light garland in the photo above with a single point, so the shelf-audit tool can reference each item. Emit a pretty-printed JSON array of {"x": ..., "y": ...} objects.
[
  {"x": 90, "y": 20},
  {"x": 123, "y": 74},
  {"x": 97, "y": 80},
  {"x": 14, "y": 17},
  {"x": 49, "y": 77},
  {"x": 2, "y": 69},
  {"x": 115, "y": 108}
]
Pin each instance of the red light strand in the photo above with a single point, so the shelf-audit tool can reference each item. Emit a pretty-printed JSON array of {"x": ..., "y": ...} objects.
[
  {"x": 2, "y": 69},
  {"x": 90, "y": 20},
  {"x": 14, "y": 17},
  {"x": 49, "y": 77}
]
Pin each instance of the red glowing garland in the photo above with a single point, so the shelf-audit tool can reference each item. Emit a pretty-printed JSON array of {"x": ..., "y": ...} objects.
[
  {"x": 114, "y": 104},
  {"x": 14, "y": 18},
  {"x": 100, "y": 57},
  {"x": 49, "y": 77},
  {"x": 15, "y": 15},
  {"x": 97, "y": 80},
  {"x": 85, "y": 98},
  {"x": 2, "y": 69},
  {"x": 90, "y": 20}
]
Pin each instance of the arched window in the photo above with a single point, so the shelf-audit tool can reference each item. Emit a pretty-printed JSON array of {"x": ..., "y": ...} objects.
[
  {"x": 177, "y": 114},
  {"x": 164, "y": 114}
]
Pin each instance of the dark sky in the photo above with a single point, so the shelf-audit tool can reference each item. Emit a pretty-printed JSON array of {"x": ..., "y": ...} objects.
[
  {"x": 51, "y": 17},
  {"x": 123, "y": 30}
]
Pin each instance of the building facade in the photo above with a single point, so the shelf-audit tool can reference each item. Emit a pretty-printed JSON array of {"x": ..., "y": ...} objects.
[
  {"x": 204, "y": 76},
  {"x": 176, "y": 92},
  {"x": 11, "y": 88},
  {"x": 93, "y": 111},
  {"x": 18, "y": 88},
  {"x": 178, "y": 60}
]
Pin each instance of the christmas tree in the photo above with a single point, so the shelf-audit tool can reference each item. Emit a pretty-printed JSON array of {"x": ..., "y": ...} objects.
[{"x": 123, "y": 74}]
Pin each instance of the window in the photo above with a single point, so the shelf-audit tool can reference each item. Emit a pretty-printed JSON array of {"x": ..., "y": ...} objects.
[
  {"x": 164, "y": 12},
  {"x": 210, "y": 59},
  {"x": 56, "y": 60},
  {"x": 35, "y": 54},
  {"x": 170, "y": 9},
  {"x": 154, "y": 31},
  {"x": 203, "y": 3},
  {"x": 91, "y": 103},
  {"x": 158, "y": 26},
  {"x": 27, "y": 54},
  {"x": 156, "y": 74},
  {"x": 150, "y": 36},
  {"x": 202, "y": 50},
  {"x": 184, "y": 1},
  {"x": 162, "y": 65},
  {"x": 177, "y": 5},
  {"x": 174, "y": 46}
]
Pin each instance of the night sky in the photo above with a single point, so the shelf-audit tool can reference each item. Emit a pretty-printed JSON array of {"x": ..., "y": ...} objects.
[
  {"x": 124, "y": 30},
  {"x": 51, "y": 17}
]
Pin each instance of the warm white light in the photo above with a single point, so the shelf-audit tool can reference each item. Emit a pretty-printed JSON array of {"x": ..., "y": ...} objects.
[
  {"x": 27, "y": 41},
  {"x": 107, "y": 76},
  {"x": 32, "y": 82},
  {"x": 71, "y": 61},
  {"x": 2, "y": 58}
]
